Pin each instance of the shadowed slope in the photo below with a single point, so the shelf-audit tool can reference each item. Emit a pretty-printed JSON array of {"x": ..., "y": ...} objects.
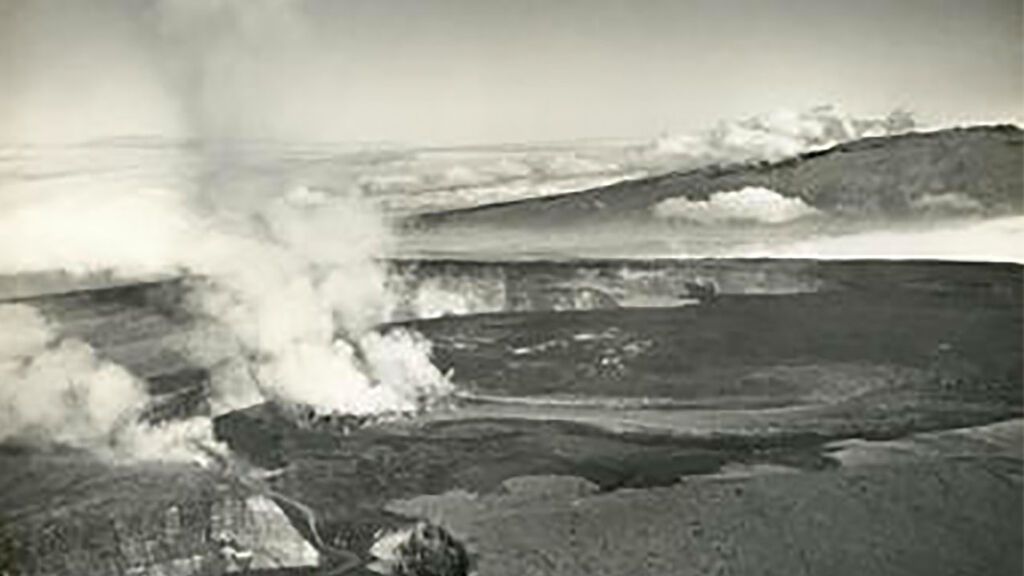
[{"x": 883, "y": 176}]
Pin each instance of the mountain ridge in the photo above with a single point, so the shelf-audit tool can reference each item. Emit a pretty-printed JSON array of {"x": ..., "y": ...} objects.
[{"x": 873, "y": 175}]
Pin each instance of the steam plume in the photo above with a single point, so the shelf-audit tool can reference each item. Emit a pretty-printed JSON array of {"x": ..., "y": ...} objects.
[
  {"x": 57, "y": 390},
  {"x": 291, "y": 275}
]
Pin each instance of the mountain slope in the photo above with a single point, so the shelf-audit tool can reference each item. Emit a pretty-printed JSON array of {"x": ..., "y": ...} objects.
[{"x": 893, "y": 176}]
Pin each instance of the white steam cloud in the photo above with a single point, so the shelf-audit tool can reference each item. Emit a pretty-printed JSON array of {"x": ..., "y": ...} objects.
[
  {"x": 297, "y": 282},
  {"x": 58, "y": 386},
  {"x": 57, "y": 390},
  {"x": 293, "y": 277},
  {"x": 303, "y": 300},
  {"x": 249, "y": 68},
  {"x": 750, "y": 204}
]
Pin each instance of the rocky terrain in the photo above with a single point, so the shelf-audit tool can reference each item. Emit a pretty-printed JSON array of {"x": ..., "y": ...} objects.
[
  {"x": 726, "y": 434},
  {"x": 941, "y": 504},
  {"x": 68, "y": 513}
]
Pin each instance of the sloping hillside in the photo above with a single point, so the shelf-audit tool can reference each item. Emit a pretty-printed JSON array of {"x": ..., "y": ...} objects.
[{"x": 892, "y": 176}]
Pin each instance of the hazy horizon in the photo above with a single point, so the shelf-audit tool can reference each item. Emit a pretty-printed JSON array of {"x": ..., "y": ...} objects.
[{"x": 453, "y": 72}]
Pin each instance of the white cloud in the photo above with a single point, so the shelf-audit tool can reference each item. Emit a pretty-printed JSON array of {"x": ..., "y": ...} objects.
[
  {"x": 750, "y": 204},
  {"x": 775, "y": 136},
  {"x": 947, "y": 203}
]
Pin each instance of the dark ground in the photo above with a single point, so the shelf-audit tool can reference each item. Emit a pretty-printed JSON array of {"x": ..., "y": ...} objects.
[
  {"x": 739, "y": 463},
  {"x": 765, "y": 382}
]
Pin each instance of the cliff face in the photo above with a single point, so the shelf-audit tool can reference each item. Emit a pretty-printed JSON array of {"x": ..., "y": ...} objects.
[
  {"x": 882, "y": 177},
  {"x": 231, "y": 534},
  {"x": 68, "y": 516},
  {"x": 425, "y": 289},
  {"x": 148, "y": 328}
]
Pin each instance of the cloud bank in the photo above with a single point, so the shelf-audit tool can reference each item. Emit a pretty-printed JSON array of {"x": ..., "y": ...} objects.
[
  {"x": 991, "y": 240},
  {"x": 776, "y": 135}
]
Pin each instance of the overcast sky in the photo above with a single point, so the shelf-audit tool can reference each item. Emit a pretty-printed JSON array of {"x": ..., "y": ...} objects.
[{"x": 468, "y": 71}]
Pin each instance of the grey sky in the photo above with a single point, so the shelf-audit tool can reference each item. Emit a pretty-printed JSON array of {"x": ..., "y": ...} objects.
[{"x": 461, "y": 71}]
